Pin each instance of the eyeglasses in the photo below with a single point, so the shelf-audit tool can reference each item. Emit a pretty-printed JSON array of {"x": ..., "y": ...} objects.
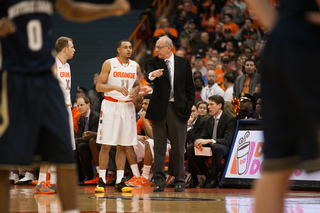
[{"x": 159, "y": 47}]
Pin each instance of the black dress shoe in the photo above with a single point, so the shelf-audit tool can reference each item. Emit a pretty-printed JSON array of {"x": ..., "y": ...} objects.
[
  {"x": 158, "y": 189},
  {"x": 213, "y": 183},
  {"x": 171, "y": 184},
  {"x": 193, "y": 183},
  {"x": 179, "y": 189}
]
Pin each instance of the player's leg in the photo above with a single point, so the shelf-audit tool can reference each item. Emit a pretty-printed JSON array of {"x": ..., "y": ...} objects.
[
  {"x": 42, "y": 187},
  {"x": 4, "y": 191},
  {"x": 270, "y": 191},
  {"x": 132, "y": 159},
  {"x": 103, "y": 161},
  {"x": 120, "y": 162},
  {"x": 67, "y": 187}
]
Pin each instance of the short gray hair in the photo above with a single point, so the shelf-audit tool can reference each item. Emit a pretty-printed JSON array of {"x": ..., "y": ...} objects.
[{"x": 167, "y": 40}]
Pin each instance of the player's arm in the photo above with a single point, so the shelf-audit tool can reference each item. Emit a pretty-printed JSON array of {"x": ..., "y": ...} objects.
[
  {"x": 266, "y": 14},
  {"x": 147, "y": 124},
  {"x": 84, "y": 11},
  {"x": 103, "y": 78},
  {"x": 136, "y": 86},
  {"x": 7, "y": 27},
  {"x": 314, "y": 16}
]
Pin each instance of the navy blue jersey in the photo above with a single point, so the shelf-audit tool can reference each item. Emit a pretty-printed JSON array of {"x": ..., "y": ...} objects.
[{"x": 28, "y": 50}]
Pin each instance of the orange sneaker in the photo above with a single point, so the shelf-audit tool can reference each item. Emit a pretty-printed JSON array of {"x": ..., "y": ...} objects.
[
  {"x": 129, "y": 182},
  {"x": 93, "y": 181},
  {"x": 43, "y": 188},
  {"x": 141, "y": 181}
]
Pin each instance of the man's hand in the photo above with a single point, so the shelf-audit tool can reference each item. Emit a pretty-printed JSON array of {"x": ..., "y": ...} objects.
[
  {"x": 88, "y": 135},
  {"x": 157, "y": 73},
  {"x": 200, "y": 142},
  {"x": 6, "y": 27},
  {"x": 121, "y": 7},
  {"x": 191, "y": 119},
  {"x": 142, "y": 138},
  {"x": 133, "y": 93},
  {"x": 124, "y": 91},
  {"x": 142, "y": 115}
]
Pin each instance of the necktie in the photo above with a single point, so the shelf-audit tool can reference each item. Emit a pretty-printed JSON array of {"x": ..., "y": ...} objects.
[
  {"x": 86, "y": 125},
  {"x": 170, "y": 78},
  {"x": 214, "y": 133}
]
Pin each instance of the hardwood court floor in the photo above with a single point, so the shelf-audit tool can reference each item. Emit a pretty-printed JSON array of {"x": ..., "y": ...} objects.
[{"x": 145, "y": 200}]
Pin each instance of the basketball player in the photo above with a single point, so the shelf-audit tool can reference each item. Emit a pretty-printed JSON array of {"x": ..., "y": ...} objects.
[
  {"x": 117, "y": 127},
  {"x": 65, "y": 51},
  {"x": 34, "y": 119},
  {"x": 291, "y": 142}
]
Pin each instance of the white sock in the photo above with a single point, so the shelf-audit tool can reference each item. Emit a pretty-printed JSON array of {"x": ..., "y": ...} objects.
[
  {"x": 42, "y": 177},
  {"x": 97, "y": 169},
  {"x": 146, "y": 171},
  {"x": 120, "y": 174},
  {"x": 135, "y": 170},
  {"x": 53, "y": 175},
  {"x": 102, "y": 173},
  {"x": 72, "y": 211}
]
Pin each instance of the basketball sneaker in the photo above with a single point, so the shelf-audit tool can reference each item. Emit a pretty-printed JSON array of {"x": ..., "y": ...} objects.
[
  {"x": 54, "y": 187},
  {"x": 122, "y": 187},
  {"x": 13, "y": 178},
  {"x": 93, "y": 181},
  {"x": 28, "y": 178},
  {"x": 100, "y": 187},
  {"x": 141, "y": 181},
  {"x": 43, "y": 188},
  {"x": 110, "y": 180},
  {"x": 131, "y": 181}
]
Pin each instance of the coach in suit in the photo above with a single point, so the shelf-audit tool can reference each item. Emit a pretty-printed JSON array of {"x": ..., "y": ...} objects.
[
  {"x": 88, "y": 127},
  {"x": 217, "y": 134},
  {"x": 169, "y": 109}
]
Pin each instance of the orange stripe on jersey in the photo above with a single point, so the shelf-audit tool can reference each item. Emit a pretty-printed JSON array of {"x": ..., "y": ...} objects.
[
  {"x": 60, "y": 60},
  {"x": 121, "y": 62},
  {"x": 114, "y": 100}
]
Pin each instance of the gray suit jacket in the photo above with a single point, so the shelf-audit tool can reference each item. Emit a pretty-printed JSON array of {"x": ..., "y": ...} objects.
[{"x": 238, "y": 84}]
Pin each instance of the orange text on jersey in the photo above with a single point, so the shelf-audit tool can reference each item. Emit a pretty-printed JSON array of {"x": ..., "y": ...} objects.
[
  {"x": 124, "y": 75},
  {"x": 65, "y": 74}
]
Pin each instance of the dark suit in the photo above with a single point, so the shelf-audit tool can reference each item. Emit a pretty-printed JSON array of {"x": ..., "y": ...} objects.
[
  {"x": 170, "y": 119},
  {"x": 220, "y": 149},
  {"x": 192, "y": 135},
  {"x": 83, "y": 148}
]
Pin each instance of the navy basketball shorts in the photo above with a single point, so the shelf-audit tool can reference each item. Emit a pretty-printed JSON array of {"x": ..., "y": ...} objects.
[{"x": 34, "y": 121}]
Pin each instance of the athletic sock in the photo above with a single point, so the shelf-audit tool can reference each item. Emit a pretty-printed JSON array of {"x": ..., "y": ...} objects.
[
  {"x": 146, "y": 171},
  {"x": 120, "y": 174},
  {"x": 135, "y": 170},
  {"x": 102, "y": 173}
]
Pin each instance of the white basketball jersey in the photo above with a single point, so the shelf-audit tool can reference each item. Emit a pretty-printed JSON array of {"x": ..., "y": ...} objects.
[
  {"x": 121, "y": 75},
  {"x": 64, "y": 78}
]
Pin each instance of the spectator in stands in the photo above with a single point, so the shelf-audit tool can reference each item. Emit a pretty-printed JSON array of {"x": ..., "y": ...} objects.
[
  {"x": 165, "y": 30},
  {"x": 256, "y": 50},
  {"x": 259, "y": 108},
  {"x": 185, "y": 44},
  {"x": 228, "y": 82},
  {"x": 229, "y": 49},
  {"x": 228, "y": 108},
  {"x": 94, "y": 96},
  {"x": 198, "y": 84},
  {"x": 246, "y": 83},
  {"x": 211, "y": 65},
  {"x": 191, "y": 33},
  {"x": 249, "y": 52},
  {"x": 247, "y": 106},
  {"x": 181, "y": 53},
  {"x": 199, "y": 65},
  {"x": 240, "y": 64},
  {"x": 180, "y": 21},
  {"x": 221, "y": 44},
  {"x": 202, "y": 107},
  {"x": 211, "y": 18},
  {"x": 229, "y": 24},
  {"x": 191, "y": 12},
  {"x": 201, "y": 46},
  {"x": 88, "y": 127},
  {"x": 215, "y": 61},
  {"x": 241, "y": 5},
  {"x": 252, "y": 39},
  {"x": 218, "y": 35},
  {"x": 244, "y": 32},
  {"x": 217, "y": 135},
  {"x": 212, "y": 88},
  {"x": 221, "y": 71},
  {"x": 237, "y": 14}
]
